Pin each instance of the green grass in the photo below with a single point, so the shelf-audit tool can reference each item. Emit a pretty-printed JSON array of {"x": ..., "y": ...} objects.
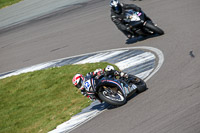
[
  {"x": 39, "y": 101},
  {"x": 5, "y": 3}
]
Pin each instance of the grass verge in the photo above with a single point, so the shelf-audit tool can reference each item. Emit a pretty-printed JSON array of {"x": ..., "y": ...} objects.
[
  {"x": 5, "y": 3},
  {"x": 39, "y": 101}
]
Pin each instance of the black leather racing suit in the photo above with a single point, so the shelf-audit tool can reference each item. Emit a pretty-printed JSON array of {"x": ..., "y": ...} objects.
[
  {"x": 118, "y": 18},
  {"x": 91, "y": 93}
]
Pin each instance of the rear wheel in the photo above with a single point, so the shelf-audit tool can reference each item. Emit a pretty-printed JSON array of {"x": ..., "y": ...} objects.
[
  {"x": 154, "y": 28},
  {"x": 112, "y": 95}
]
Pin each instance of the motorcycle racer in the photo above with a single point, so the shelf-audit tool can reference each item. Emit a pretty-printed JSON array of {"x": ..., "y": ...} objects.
[
  {"x": 79, "y": 80},
  {"x": 118, "y": 14}
]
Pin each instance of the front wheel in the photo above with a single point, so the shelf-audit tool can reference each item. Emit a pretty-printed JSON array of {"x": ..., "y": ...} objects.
[
  {"x": 141, "y": 85},
  {"x": 112, "y": 95},
  {"x": 154, "y": 28}
]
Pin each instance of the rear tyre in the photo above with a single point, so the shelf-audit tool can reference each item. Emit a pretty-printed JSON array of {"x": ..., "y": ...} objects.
[
  {"x": 115, "y": 97},
  {"x": 154, "y": 28}
]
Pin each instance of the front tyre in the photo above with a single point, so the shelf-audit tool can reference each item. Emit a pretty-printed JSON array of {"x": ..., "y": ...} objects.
[
  {"x": 112, "y": 95},
  {"x": 141, "y": 85},
  {"x": 154, "y": 28}
]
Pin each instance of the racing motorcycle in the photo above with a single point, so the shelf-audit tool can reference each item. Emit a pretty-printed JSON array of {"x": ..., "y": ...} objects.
[
  {"x": 140, "y": 24},
  {"x": 113, "y": 90}
]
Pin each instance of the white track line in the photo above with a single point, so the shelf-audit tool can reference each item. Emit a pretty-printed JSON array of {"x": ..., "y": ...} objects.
[
  {"x": 136, "y": 60},
  {"x": 99, "y": 57},
  {"x": 78, "y": 120}
]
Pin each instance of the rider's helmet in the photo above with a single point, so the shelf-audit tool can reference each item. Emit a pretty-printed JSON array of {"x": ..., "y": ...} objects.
[
  {"x": 116, "y": 6},
  {"x": 109, "y": 68},
  {"x": 78, "y": 81}
]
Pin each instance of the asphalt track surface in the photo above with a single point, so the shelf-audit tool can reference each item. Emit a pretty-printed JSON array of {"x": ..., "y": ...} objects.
[{"x": 172, "y": 102}]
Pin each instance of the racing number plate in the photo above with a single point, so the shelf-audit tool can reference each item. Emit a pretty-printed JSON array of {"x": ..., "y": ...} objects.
[{"x": 87, "y": 85}]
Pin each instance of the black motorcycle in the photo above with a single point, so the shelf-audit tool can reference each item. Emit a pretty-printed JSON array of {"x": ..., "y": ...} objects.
[
  {"x": 140, "y": 24},
  {"x": 113, "y": 90}
]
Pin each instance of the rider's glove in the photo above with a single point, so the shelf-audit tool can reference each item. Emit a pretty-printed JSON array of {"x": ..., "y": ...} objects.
[
  {"x": 124, "y": 75},
  {"x": 90, "y": 73},
  {"x": 83, "y": 92},
  {"x": 116, "y": 73},
  {"x": 92, "y": 98}
]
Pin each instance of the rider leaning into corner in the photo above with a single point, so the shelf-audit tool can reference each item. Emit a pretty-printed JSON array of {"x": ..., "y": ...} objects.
[
  {"x": 79, "y": 80},
  {"x": 118, "y": 13}
]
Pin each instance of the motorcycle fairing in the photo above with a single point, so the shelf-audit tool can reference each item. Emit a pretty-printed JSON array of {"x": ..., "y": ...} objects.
[
  {"x": 116, "y": 82},
  {"x": 89, "y": 85}
]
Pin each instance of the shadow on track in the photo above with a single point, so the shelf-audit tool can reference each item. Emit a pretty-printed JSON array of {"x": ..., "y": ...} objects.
[
  {"x": 128, "y": 99},
  {"x": 101, "y": 106},
  {"x": 140, "y": 38}
]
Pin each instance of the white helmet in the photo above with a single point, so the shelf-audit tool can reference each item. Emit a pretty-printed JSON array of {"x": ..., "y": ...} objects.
[{"x": 109, "y": 68}]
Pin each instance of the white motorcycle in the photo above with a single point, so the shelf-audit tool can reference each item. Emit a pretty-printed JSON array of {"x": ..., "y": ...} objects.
[{"x": 140, "y": 24}]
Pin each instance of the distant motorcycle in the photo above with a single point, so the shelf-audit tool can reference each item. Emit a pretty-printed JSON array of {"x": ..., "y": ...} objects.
[
  {"x": 140, "y": 24},
  {"x": 115, "y": 91}
]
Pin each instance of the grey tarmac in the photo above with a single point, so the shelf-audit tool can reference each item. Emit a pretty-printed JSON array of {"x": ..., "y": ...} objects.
[{"x": 172, "y": 102}]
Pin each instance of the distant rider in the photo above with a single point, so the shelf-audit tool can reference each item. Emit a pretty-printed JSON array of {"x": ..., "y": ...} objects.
[
  {"x": 79, "y": 80},
  {"x": 118, "y": 13}
]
